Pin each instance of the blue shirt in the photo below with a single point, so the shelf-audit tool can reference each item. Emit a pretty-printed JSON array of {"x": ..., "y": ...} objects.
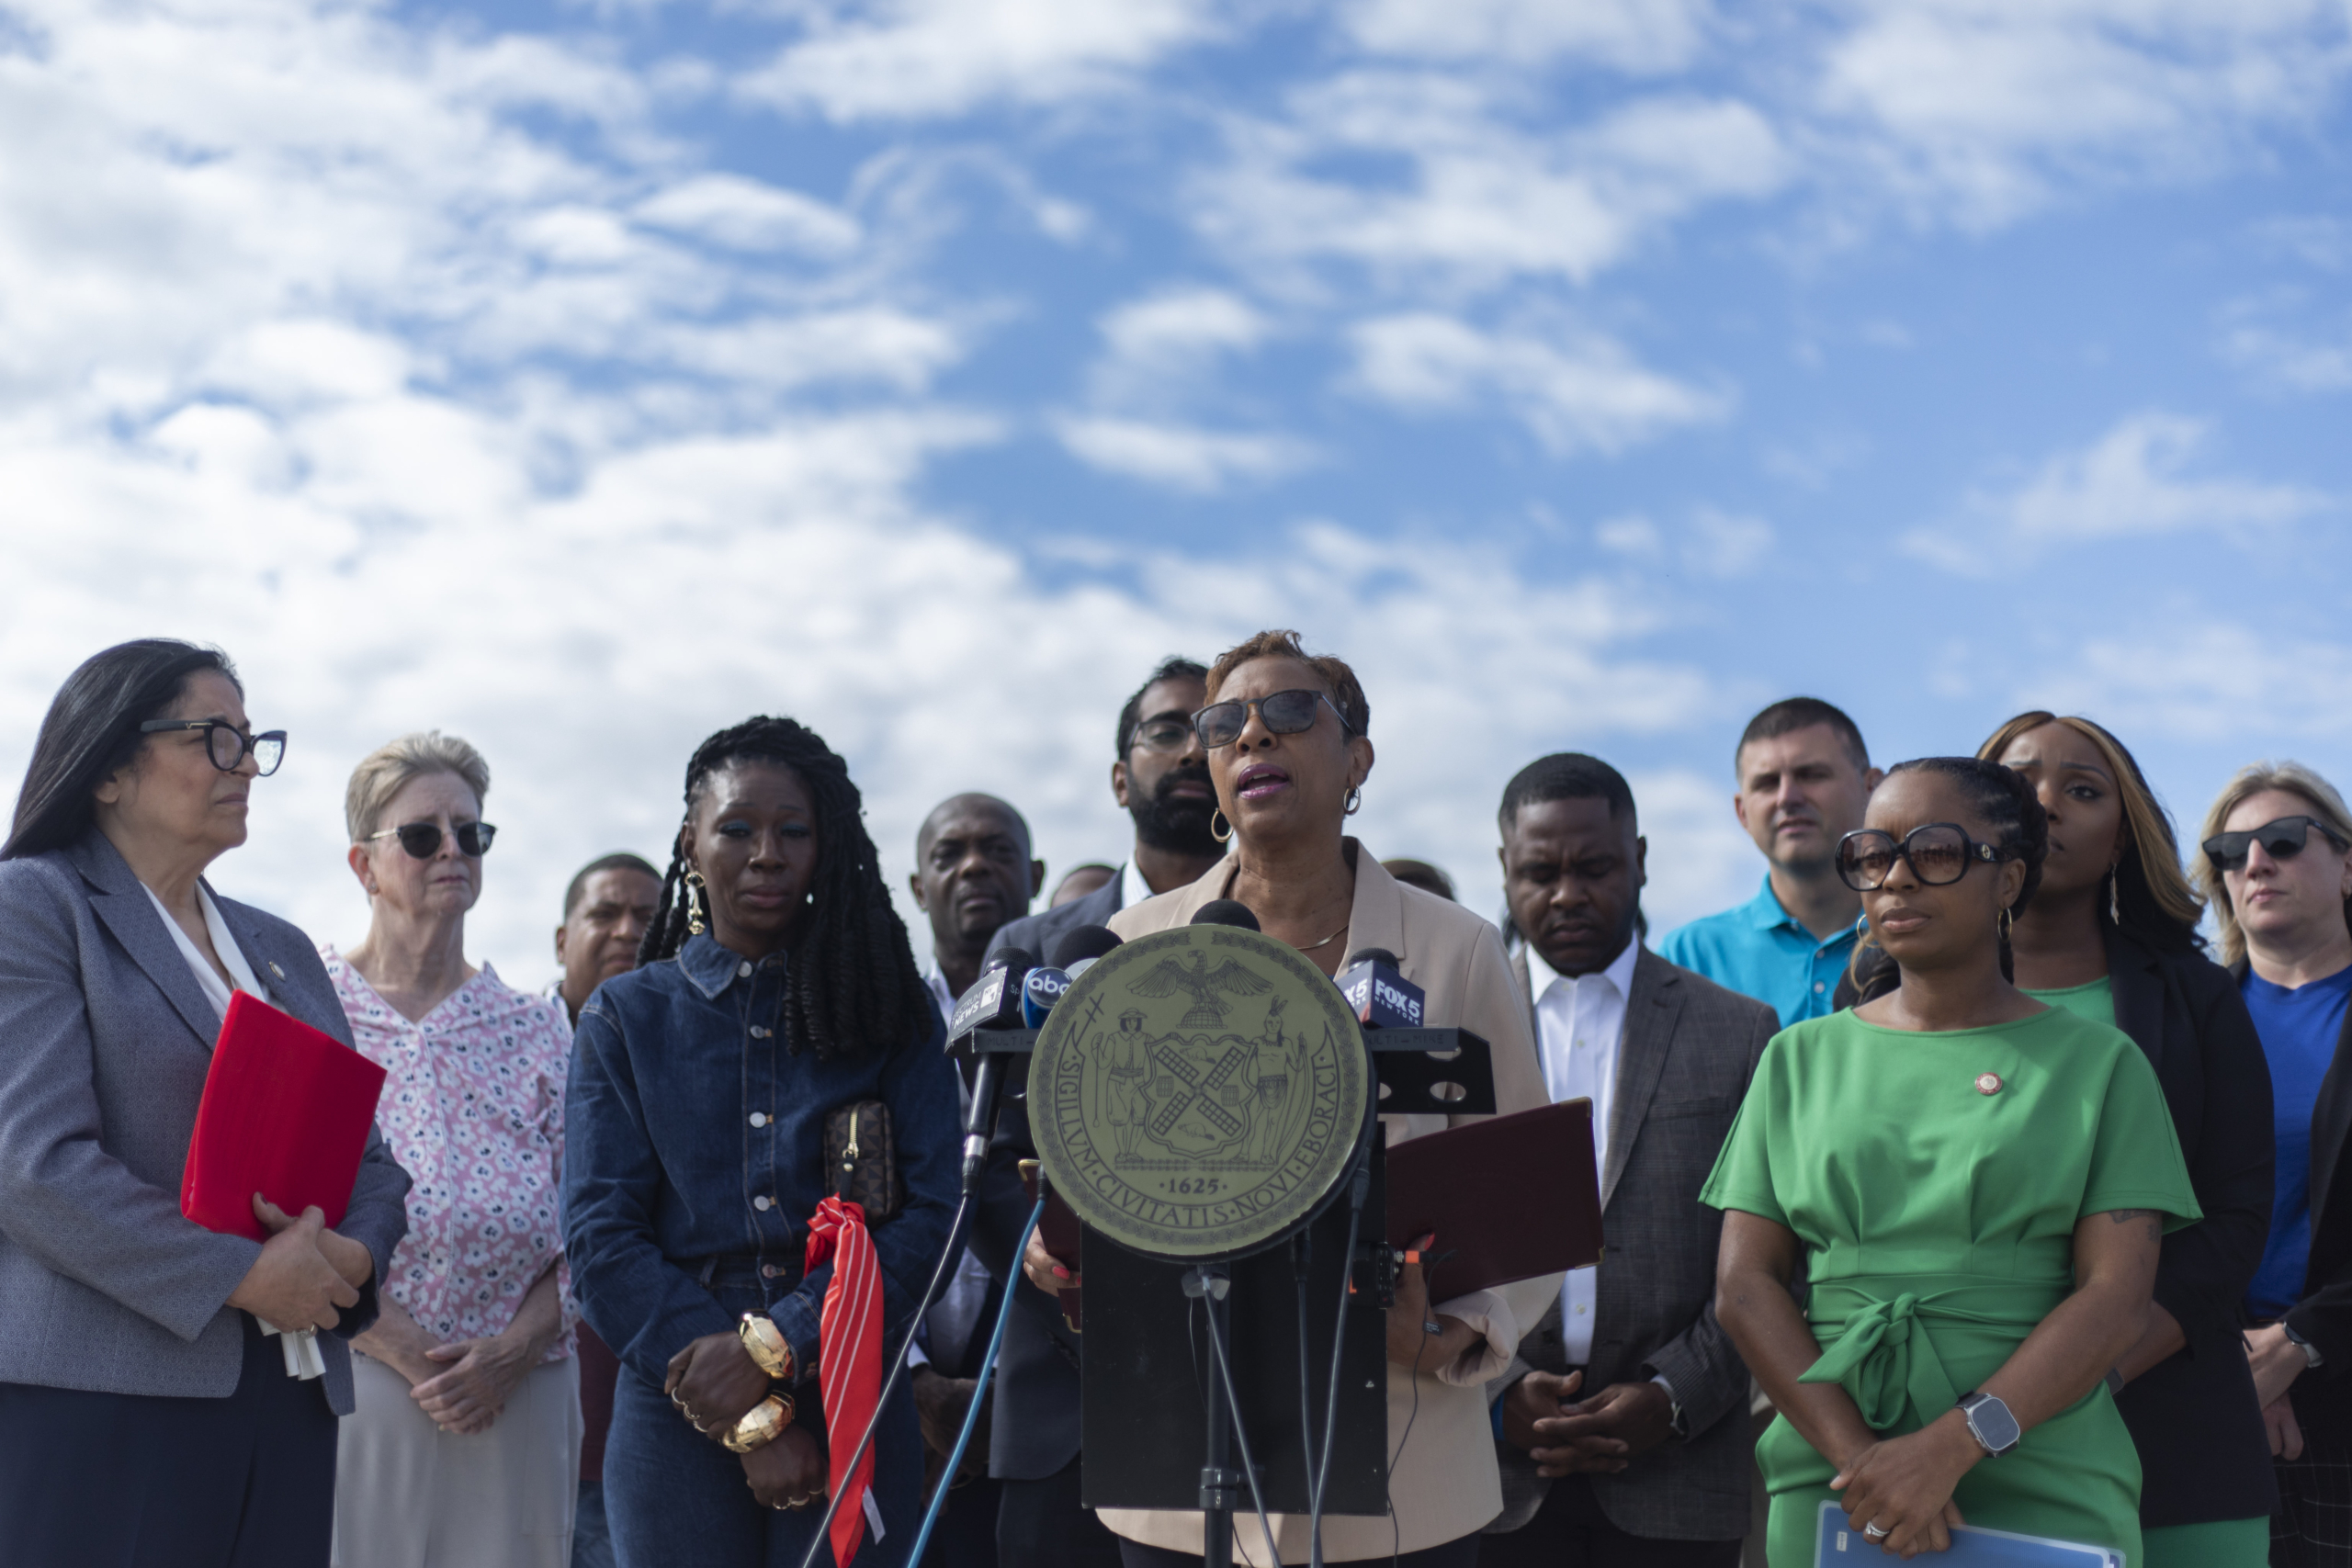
[
  {"x": 2299, "y": 1028},
  {"x": 1760, "y": 950},
  {"x": 691, "y": 1133}
]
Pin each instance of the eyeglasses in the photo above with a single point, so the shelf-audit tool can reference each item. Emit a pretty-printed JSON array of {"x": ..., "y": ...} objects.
[
  {"x": 226, "y": 744},
  {"x": 1285, "y": 713},
  {"x": 423, "y": 840},
  {"x": 1169, "y": 735},
  {"x": 1938, "y": 854},
  {"x": 2282, "y": 840}
]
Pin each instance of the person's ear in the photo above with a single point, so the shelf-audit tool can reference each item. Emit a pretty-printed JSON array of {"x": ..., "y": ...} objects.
[
  {"x": 110, "y": 788},
  {"x": 1872, "y": 779},
  {"x": 914, "y": 881},
  {"x": 1739, "y": 809},
  {"x": 1119, "y": 784},
  {"x": 1641, "y": 862},
  {"x": 1036, "y": 878},
  {"x": 559, "y": 940},
  {"x": 1360, "y": 754},
  {"x": 2012, "y": 883},
  {"x": 362, "y": 867}
]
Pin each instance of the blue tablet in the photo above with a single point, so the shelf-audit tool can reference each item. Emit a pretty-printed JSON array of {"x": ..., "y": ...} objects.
[{"x": 1843, "y": 1546}]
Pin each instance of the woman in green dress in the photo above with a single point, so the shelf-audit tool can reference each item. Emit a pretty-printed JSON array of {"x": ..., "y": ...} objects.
[{"x": 1976, "y": 1186}]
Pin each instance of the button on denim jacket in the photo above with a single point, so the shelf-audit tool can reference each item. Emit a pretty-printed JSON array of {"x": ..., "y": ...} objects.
[{"x": 686, "y": 1111}]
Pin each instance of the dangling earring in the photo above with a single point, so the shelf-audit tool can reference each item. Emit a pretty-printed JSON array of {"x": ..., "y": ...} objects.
[
  {"x": 2114, "y": 903},
  {"x": 695, "y": 886},
  {"x": 1217, "y": 816},
  {"x": 1355, "y": 801}
]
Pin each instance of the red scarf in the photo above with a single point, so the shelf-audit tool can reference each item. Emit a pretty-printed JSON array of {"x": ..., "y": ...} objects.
[{"x": 849, "y": 1357}]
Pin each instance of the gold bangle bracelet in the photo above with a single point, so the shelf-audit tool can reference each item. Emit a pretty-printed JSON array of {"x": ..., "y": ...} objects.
[
  {"x": 769, "y": 1350},
  {"x": 765, "y": 1423}
]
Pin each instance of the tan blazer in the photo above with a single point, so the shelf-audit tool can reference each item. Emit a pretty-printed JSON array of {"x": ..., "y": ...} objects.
[{"x": 1444, "y": 1485}]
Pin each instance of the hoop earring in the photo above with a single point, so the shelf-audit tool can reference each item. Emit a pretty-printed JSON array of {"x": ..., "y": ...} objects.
[
  {"x": 694, "y": 884},
  {"x": 1217, "y": 816},
  {"x": 1355, "y": 801},
  {"x": 2005, "y": 921}
]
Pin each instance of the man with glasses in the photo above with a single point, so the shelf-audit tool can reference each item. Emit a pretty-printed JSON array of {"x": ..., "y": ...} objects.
[
  {"x": 1160, "y": 776},
  {"x": 1804, "y": 778}
]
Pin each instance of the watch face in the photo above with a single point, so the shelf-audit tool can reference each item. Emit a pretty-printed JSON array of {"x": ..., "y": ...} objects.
[{"x": 1993, "y": 1426}]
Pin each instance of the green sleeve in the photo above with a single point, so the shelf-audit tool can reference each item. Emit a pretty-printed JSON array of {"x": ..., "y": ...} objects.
[
  {"x": 1742, "y": 1179},
  {"x": 2136, "y": 1161}
]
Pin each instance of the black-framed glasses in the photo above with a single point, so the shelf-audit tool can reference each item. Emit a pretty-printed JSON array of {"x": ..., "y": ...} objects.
[
  {"x": 1166, "y": 734},
  {"x": 1284, "y": 713},
  {"x": 1938, "y": 854},
  {"x": 2282, "y": 840},
  {"x": 226, "y": 744},
  {"x": 423, "y": 840}
]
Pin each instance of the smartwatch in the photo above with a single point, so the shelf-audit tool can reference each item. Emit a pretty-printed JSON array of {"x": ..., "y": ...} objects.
[{"x": 1990, "y": 1423}]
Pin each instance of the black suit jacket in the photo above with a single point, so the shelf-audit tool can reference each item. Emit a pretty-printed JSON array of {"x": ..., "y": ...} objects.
[
  {"x": 2203, "y": 1455},
  {"x": 2324, "y": 1314},
  {"x": 1033, "y": 1432}
]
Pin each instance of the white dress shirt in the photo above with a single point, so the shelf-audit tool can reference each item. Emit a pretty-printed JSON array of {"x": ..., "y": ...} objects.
[
  {"x": 1133, "y": 888},
  {"x": 232, "y": 957},
  {"x": 1579, "y": 1025}
]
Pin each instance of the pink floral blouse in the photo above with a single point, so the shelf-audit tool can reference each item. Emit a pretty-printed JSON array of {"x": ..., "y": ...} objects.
[{"x": 473, "y": 1109}]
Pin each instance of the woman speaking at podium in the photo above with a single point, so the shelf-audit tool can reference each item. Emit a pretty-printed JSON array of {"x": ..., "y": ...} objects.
[{"x": 1289, "y": 756}]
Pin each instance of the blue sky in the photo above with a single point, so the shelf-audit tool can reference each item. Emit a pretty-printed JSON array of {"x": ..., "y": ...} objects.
[{"x": 580, "y": 378}]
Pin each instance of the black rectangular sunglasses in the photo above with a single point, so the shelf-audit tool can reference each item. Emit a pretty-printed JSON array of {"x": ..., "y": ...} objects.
[
  {"x": 1283, "y": 712},
  {"x": 423, "y": 840},
  {"x": 2282, "y": 840}
]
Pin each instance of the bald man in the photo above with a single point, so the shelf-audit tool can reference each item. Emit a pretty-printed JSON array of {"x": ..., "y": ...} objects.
[{"x": 973, "y": 872}]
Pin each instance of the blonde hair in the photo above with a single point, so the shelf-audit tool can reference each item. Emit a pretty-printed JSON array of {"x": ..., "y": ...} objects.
[
  {"x": 390, "y": 767},
  {"x": 2290, "y": 778},
  {"x": 2151, "y": 891}
]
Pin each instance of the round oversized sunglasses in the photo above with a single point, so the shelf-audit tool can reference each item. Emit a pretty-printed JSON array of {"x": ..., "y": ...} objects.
[
  {"x": 226, "y": 744},
  {"x": 2282, "y": 840},
  {"x": 1284, "y": 713},
  {"x": 1938, "y": 854},
  {"x": 423, "y": 840}
]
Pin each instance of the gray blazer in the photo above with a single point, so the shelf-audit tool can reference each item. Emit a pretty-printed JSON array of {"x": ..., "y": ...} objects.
[
  {"x": 1690, "y": 1049},
  {"x": 105, "y": 1038}
]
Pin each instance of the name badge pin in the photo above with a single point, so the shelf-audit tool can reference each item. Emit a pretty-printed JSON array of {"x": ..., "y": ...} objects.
[{"x": 1988, "y": 1083}]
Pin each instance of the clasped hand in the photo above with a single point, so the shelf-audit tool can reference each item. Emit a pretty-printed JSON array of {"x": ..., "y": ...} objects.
[
  {"x": 1597, "y": 1436},
  {"x": 306, "y": 1273},
  {"x": 1904, "y": 1485},
  {"x": 715, "y": 1384}
]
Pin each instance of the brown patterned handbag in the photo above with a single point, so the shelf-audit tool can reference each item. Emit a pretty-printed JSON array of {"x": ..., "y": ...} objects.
[{"x": 861, "y": 1159}]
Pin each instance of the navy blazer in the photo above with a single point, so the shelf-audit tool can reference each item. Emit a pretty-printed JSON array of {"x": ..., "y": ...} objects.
[{"x": 104, "y": 1041}]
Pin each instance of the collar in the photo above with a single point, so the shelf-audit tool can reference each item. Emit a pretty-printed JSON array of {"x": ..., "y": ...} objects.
[
  {"x": 713, "y": 969},
  {"x": 1376, "y": 918},
  {"x": 1133, "y": 888},
  {"x": 936, "y": 978},
  {"x": 1769, "y": 913},
  {"x": 1619, "y": 973}
]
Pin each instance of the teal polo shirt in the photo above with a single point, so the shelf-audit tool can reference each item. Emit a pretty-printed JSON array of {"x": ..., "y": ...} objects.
[{"x": 1760, "y": 951}]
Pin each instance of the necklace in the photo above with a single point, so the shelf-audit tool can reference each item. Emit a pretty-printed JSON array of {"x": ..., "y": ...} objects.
[{"x": 1327, "y": 941}]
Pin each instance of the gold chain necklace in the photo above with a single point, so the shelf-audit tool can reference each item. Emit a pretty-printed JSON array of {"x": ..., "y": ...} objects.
[{"x": 1327, "y": 941}]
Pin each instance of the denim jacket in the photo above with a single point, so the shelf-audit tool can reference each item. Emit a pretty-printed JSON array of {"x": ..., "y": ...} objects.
[{"x": 693, "y": 1135}]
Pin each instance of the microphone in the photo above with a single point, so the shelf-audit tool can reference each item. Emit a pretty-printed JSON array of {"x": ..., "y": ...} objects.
[
  {"x": 1044, "y": 987},
  {"x": 1227, "y": 913},
  {"x": 1377, "y": 993},
  {"x": 994, "y": 1001},
  {"x": 1080, "y": 945}
]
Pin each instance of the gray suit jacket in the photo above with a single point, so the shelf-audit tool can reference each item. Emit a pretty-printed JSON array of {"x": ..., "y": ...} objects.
[
  {"x": 1690, "y": 1049},
  {"x": 1035, "y": 1430},
  {"x": 105, "y": 1040}
]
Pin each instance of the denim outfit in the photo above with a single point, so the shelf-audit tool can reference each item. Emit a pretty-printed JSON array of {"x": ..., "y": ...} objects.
[{"x": 694, "y": 1155}]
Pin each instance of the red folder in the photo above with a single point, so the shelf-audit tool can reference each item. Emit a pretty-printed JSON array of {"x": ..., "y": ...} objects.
[
  {"x": 285, "y": 1113},
  {"x": 1511, "y": 1197}
]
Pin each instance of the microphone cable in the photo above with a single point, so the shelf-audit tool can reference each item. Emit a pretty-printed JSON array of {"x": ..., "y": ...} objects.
[
  {"x": 1222, "y": 1354},
  {"x": 979, "y": 1392},
  {"x": 1359, "y": 1189}
]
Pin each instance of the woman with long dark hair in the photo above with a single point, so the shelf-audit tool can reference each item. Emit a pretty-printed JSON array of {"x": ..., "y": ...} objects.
[
  {"x": 776, "y": 991},
  {"x": 147, "y": 1417},
  {"x": 1974, "y": 1184},
  {"x": 2111, "y": 934}
]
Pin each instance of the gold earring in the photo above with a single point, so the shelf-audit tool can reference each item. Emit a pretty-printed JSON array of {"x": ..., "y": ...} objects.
[
  {"x": 2114, "y": 902},
  {"x": 694, "y": 884},
  {"x": 1217, "y": 816},
  {"x": 2005, "y": 921},
  {"x": 1355, "y": 801}
]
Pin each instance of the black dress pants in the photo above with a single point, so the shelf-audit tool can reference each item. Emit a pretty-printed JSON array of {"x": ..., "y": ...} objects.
[
  {"x": 1570, "y": 1531},
  {"x": 144, "y": 1481},
  {"x": 1039, "y": 1524}
]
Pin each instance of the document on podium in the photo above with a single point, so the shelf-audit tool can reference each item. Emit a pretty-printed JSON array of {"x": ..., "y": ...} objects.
[
  {"x": 1972, "y": 1547},
  {"x": 1509, "y": 1197}
]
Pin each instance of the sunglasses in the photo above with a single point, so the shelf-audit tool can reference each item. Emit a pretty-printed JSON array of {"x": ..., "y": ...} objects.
[
  {"x": 2282, "y": 840},
  {"x": 423, "y": 840},
  {"x": 1285, "y": 713},
  {"x": 1939, "y": 854},
  {"x": 226, "y": 744}
]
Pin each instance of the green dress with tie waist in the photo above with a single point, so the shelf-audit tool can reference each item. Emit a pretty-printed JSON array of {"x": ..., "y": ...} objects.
[{"x": 1937, "y": 1222}]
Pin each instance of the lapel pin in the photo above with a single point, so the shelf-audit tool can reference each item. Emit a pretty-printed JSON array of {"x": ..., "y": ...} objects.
[
  {"x": 277, "y": 971},
  {"x": 1988, "y": 1083}
]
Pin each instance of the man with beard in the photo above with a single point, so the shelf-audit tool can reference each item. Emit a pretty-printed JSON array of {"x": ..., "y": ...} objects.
[
  {"x": 1622, "y": 1425},
  {"x": 1161, "y": 778},
  {"x": 1804, "y": 777}
]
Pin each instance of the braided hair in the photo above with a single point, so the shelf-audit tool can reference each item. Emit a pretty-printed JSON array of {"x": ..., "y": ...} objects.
[
  {"x": 2005, "y": 799},
  {"x": 852, "y": 982}
]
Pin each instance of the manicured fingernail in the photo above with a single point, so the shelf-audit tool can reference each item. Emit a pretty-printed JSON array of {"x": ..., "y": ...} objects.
[{"x": 1060, "y": 1272}]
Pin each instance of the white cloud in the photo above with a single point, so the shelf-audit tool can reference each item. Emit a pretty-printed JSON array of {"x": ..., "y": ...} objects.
[
  {"x": 1577, "y": 391},
  {"x": 2134, "y": 480},
  {"x": 925, "y": 57},
  {"x": 1163, "y": 348},
  {"x": 1725, "y": 544},
  {"x": 1631, "y": 35},
  {"x": 2209, "y": 679},
  {"x": 2273, "y": 339},
  {"x": 748, "y": 215},
  {"x": 1180, "y": 456}
]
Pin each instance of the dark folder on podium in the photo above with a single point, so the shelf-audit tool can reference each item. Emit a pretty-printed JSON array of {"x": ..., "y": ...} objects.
[
  {"x": 285, "y": 1113},
  {"x": 1509, "y": 1198}
]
